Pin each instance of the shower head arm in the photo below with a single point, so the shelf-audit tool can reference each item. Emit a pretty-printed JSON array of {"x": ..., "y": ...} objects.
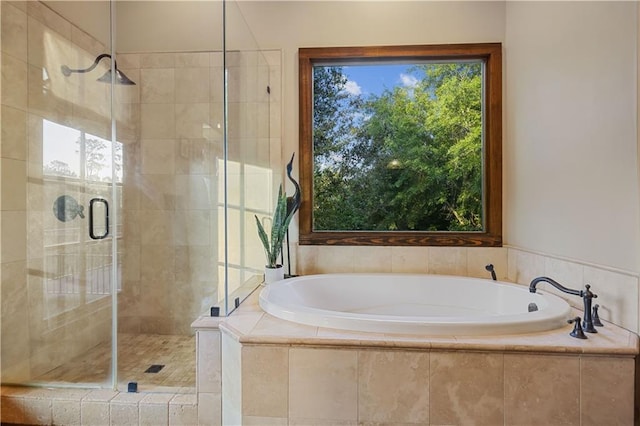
[{"x": 67, "y": 71}]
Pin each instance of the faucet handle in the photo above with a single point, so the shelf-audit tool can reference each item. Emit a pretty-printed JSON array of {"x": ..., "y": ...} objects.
[
  {"x": 595, "y": 317},
  {"x": 577, "y": 329},
  {"x": 588, "y": 293}
]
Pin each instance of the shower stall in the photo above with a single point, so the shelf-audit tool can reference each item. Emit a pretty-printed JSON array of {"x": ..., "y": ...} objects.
[{"x": 139, "y": 138}]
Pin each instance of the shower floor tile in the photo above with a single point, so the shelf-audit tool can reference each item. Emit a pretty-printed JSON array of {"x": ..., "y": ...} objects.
[{"x": 136, "y": 353}]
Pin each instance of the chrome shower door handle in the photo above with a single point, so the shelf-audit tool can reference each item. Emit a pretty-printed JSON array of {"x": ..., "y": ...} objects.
[{"x": 98, "y": 218}]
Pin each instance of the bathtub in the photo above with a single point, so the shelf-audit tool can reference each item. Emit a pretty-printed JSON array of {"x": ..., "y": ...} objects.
[{"x": 413, "y": 304}]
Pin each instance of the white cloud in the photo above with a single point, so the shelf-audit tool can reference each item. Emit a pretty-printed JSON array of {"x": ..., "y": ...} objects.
[
  {"x": 352, "y": 88},
  {"x": 408, "y": 80}
]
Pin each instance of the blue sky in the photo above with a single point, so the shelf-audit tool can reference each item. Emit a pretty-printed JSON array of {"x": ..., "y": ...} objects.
[{"x": 373, "y": 79}]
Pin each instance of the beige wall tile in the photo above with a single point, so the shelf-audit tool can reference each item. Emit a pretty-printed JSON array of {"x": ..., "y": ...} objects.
[
  {"x": 157, "y": 227},
  {"x": 194, "y": 193},
  {"x": 14, "y": 82},
  {"x": 14, "y": 231},
  {"x": 36, "y": 47},
  {"x": 541, "y": 389},
  {"x": 124, "y": 408},
  {"x": 94, "y": 413},
  {"x": 307, "y": 258},
  {"x": 157, "y": 192},
  {"x": 157, "y": 86},
  {"x": 20, "y": 4},
  {"x": 15, "y": 348},
  {"x": 372, "y": 259},
  {"x": 448, "y": 261},
  {"x": 38, "y": 411},
  {"x": 414, "y": 260},
  {"x": 56, "y": 108},
  {"x": 323, "y": 384},
  {"x": 157, "y": 263},
  {"x": 14, "y": 133},
  {"x": 216, "y": 59},
  {"x": 66, "y": 412},
  {"x": 265, "y": 381},
  {"x": 192, "y": 228},
  {"x": 216, "y": 85},
  {"x": 154, "y": 414},
  {"x": 183, "y": 410},
  {"x": 14, "y": 184},
  {"x": 192, "y": 85},
  {"x": 335, "y": 259},
  {"x": 617, "y": 296},
  {"x": 525, "y": 266},
  {"x": 466, "y": 388},
  {"x": 194, "y": 264},
  {"x": 606, "y": 389},
  {"x": 193, "y": 156},
  {"x": 209, "y": 409},
  {"x": 393, "y": 386},
  {"x": 192, "y": 120},
  {"x": 157, "y": 121},
  {"x": 84, "y": 41},
  {"x": 158, "y": 156},
  {"x": 209, "y": 358},
  {"x": 231, "y": 381},
  {"x": 14, "y": 32},
  {"x": 49, "y": 18},
  {"x": 125, "y": 94},
  {"x": 569, "y": 274}
]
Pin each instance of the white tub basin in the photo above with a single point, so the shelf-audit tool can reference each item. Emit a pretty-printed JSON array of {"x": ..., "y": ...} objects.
[{"x": 413, "y": 304}]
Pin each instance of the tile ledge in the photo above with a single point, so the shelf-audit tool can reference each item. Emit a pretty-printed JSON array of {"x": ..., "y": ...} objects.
[{"x": 614, "y": 340}]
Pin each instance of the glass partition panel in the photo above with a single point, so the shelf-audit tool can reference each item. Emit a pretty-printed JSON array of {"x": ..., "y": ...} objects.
[{"x": 254, "y": 168}]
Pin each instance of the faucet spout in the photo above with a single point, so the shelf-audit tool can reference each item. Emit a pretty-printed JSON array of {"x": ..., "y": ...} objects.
[{"x": 556, "y": 284}]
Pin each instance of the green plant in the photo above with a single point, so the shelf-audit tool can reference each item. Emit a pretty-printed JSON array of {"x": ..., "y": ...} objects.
[{"x": 280, "y": 223}]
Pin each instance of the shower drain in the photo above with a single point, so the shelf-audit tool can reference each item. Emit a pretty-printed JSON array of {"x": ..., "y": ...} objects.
[{"x": 154, "y": 368}]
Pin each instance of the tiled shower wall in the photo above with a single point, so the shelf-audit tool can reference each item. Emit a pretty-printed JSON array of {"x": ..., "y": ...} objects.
[
  {"x": 171, "y": 190},
  {"x": 617, "y": 290},
  {"x": 173, "y": 187}
]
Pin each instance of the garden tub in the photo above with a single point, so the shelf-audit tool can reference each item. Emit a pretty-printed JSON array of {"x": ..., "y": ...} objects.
[{"x": 414, "y": 304}]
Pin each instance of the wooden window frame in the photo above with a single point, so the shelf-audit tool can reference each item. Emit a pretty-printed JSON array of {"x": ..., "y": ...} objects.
[{"x": 491, "y": 54}]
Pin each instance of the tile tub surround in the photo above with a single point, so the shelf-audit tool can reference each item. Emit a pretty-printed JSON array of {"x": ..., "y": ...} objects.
[{"x": 289, "y": 373}]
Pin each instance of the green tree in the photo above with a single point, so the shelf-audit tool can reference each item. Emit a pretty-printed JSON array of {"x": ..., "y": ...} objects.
[{"x": 410, "y": 159}]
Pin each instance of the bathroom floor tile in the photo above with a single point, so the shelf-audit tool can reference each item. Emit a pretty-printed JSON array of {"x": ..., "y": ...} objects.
[{"x": 136, "y": 353}]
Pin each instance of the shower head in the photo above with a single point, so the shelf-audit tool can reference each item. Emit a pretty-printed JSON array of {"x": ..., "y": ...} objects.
[
  {"x": 120, "y": 78},
  {"x": 106, "y": 78}
]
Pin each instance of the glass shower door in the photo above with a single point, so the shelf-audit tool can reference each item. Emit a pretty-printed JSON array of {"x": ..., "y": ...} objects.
[{"x": 59, "y": 275}]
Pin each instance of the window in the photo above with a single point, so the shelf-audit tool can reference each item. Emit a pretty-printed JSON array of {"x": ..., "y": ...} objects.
[{"x": 401, "y": 145}]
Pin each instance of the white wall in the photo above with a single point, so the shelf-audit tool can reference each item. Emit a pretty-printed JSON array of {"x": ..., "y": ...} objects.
[{"x": 571, "y": 186}]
